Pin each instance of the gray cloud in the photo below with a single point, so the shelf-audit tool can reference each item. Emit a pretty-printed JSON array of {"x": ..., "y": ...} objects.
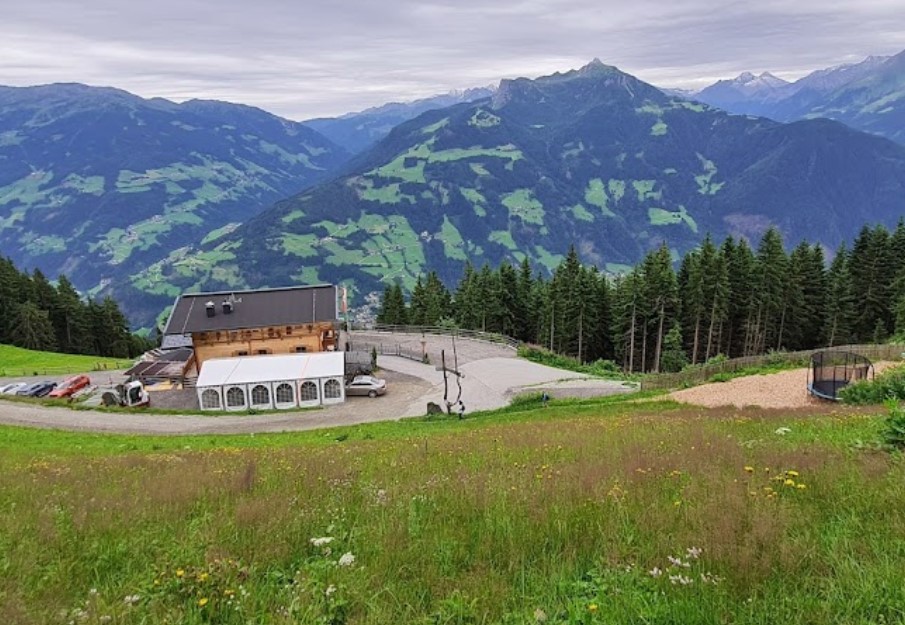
[{"x": 311, "y": 58}]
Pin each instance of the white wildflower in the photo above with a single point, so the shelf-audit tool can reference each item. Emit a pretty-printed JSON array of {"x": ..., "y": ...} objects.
[
  {"x": 131, "y": 599},
  {"x": 540, "y": 616},
  {"x": 330, "y": 590},
  {"x": 347, "y": 559},
  {"x": 782, "y": 431},
  {"x": 679, "y": 579},
  {"x": 678, "y": 562},
  {"x": 693, "y": 552},
  {"x": 320, "y": 542},
  {"x": 655, "y": 572},
  {"x": 93, "y": 592}
]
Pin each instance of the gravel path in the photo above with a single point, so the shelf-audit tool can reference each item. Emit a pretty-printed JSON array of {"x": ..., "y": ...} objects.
[{"x": 787, "y": 389}]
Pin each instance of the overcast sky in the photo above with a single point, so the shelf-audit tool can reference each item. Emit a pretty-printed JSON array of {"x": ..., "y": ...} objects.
[{"x": 306, "y": 58}]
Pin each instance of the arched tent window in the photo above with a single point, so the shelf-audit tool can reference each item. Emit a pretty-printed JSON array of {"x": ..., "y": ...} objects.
[
  {"x": 309, "y": 391},
  {"x": 284, "y": 394},
  {"x": 210, "y": 399},
  {"x": 332, "y": 389},
  {"x": 235, "y": 397},
  {"x": 260, "y": 395}
]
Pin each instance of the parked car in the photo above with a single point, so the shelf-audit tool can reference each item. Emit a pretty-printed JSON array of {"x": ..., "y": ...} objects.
[
  {"x": 69, "y": 387},
  {"x": 366, "y": 385},
  {"x": 38, "y": 389},
  {"x": 12, "y": 389}
]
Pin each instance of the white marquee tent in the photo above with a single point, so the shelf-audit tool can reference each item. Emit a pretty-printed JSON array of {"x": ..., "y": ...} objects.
[{"x": 267, "y": 382}]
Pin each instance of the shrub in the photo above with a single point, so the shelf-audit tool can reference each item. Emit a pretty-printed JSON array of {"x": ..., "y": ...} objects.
[
  {"x": 888, "y": 385},
  {"x": 600, "y": 368},
  {"x": 894, "y": 431}
]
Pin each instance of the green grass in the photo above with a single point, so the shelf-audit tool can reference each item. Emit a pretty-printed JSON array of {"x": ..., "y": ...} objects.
[
  {"x": 706, "y": 186},
  {"x": 581, "y": 213},
  {"x": 522, "y": 204},
  {"x": 645, "y": 190},
  {"x": 659, "y": 128},
  {"x": 662, "y": 217},
  {"x": 596, "y": 195},
  {"x": 563, "y": 514},
  {"x": 18, "y": 362}
]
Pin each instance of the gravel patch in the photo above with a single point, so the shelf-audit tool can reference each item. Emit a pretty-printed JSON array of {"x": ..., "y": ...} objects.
[{"x": 786, "y": 389}]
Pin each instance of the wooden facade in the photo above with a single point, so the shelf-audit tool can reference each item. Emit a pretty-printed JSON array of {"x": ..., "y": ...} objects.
[{"x": 290, "y": 339}]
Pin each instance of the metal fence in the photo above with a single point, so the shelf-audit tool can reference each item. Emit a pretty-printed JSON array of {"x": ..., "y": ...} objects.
[
  {"x": 475, "y": 335},
  {"x": 699, "y": 374},
  {"x": 390, "y": 349}
]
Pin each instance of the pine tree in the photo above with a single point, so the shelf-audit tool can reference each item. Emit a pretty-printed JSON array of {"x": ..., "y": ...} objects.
[
  {"x": 740, "y": 265},
  {"x": 766, "y": 319},
  {"x": 31, "y": 328},
  {"x": 673, "y": 358},
  {"x": 840, "y": 307},
  {"x": 660, "y": 303},
  {"x": 871, "y": 267}
]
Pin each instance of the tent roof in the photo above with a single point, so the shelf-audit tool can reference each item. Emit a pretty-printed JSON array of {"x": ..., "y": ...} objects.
[{"x": 252, "y": 369}]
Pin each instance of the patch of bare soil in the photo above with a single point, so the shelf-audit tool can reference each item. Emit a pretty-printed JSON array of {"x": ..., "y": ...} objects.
[{"x": 787, "y": 389}]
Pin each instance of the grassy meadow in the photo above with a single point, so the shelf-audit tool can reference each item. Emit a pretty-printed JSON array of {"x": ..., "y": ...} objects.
[
  {"x": 19, "y": 362},
  {"x": 606, "y": 511}
]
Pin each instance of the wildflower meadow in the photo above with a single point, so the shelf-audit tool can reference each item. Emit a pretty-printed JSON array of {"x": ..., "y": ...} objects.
[{"x": 583, "y": 512}]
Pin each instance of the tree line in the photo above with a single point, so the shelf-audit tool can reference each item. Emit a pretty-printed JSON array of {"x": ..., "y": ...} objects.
[
  {"x": 36, "y": 314},
  {"x": 720, "y": 299}
]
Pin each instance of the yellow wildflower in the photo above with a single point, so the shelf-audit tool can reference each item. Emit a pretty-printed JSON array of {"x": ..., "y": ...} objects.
[
  {"x": 202, "y": 577},
  {"x": 749, "y": 469},
  {"x": 592, "y": 607},
  {"x": 800, "y": 486},
  {"x": 792, "y": 473},
  {"x": 180, "y": 572},
  {"x": 789, "y": 482},
  {"x": 202, "y": 602}
]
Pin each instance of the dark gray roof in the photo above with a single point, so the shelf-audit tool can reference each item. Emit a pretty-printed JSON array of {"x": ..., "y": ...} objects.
[{"x": 253, "y": 309}]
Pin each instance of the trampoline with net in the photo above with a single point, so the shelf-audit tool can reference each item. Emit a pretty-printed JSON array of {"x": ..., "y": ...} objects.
[{"x": 831, "y": 371}]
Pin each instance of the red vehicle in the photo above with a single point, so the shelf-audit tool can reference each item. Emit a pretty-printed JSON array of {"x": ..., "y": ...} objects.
[{"x": 70, "y": 386}]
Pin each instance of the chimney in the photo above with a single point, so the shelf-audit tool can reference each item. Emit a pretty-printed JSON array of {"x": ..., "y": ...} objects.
[
  {"x": 227, "y": 307},
  {"x": 211, "y": 309}
]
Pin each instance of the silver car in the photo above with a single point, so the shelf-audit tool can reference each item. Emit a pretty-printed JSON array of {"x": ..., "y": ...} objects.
[
  {"x": 12, "y": 389},
  {"x": 366, "y": 385}
]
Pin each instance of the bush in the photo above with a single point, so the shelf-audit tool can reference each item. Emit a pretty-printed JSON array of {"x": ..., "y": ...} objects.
[
  {"x": 894, "y": 431},
  {"x": 888, "y": 385},
  {"x": 600, "y": 368}
]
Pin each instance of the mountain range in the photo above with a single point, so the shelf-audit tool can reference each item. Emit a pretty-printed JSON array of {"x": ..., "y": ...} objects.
[
  {"x": 869, "y": 95},
  {"x": 143, "y": 199},
  {"x": 593, "y": 158},
  {"x": 356, "y": 132},
  {"x": 99, "y": 183}
]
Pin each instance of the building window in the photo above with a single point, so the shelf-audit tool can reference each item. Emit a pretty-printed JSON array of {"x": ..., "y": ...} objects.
[
  {"x": 284, "y": 394},
  {"x": 270, "y": 332},
  {"x": 263, "y": 352},
  {"x": 260, "y": 395},
  {"x": 288, "y": 329},
  {"x": 300, "y": 348},
  {"x": 242, "y": 352},
  {"x": 309, "y": 391},
  {"x": 332, "y": 389},
  {"x": 235, "y": 397},
  {"x": 210, "y": 398}
]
